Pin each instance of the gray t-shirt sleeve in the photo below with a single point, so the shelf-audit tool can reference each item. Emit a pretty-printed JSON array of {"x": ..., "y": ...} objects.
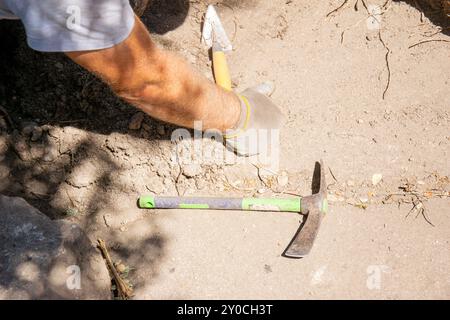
[{"x": 74, "y": 25}]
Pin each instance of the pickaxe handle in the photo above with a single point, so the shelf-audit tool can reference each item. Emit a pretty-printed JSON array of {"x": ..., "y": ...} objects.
[{"x": 251, "y": 204}]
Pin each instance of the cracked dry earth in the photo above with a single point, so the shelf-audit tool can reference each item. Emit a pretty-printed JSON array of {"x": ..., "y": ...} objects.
[{"x": 387, "y": 233}]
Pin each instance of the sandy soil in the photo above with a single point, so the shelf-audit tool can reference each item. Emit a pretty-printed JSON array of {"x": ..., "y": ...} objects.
[{"x": 73, "y": 155}]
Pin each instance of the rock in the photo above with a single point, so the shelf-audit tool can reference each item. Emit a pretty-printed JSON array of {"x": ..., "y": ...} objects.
[
  {"x": 191, "y": 170},
  {"x": 45, "y": 259},
  {"x": 22, "y": 149},
  {"x": 36, "y": 134},
  {"x": 50, "y": 153},
  {"x": 146, "y": 127},
  {"x": 83, "y": 175},
  {"x": 136, "y": 121},
  {"x": 364, "y": 199},
  {"x": 121, "y": 268},
  {"x": 262, "y": 190},
  {"x": 160, "y": 130},
  {"x": 28, "y": 127},
  {"x": 376, "y": 178}
]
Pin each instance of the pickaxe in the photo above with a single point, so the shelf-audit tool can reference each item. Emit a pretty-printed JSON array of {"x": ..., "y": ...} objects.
[{"x": 313, "y": 207}]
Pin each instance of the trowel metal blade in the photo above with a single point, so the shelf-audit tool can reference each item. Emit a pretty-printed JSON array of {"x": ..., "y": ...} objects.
[{"x": 213, "y": 31}]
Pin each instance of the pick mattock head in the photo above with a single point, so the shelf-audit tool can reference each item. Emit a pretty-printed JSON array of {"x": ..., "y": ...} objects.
[{"x": 315, "y": 207}]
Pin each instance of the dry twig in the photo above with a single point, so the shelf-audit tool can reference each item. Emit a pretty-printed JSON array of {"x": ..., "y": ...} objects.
[
  {"x": 425, "y": 41},
  {"x": 388, "y": 51},
  {"x": 123, "y": 288},
  {"x": 337, "y": 9}
]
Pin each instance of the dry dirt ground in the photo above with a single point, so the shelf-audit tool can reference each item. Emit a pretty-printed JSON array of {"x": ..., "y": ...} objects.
[{"x": 366, "y": 100}]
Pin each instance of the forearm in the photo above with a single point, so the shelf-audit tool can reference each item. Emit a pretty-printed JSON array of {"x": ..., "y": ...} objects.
[
  {"x": 161, "y": 83},
  {"x": 171, "y": 90}
]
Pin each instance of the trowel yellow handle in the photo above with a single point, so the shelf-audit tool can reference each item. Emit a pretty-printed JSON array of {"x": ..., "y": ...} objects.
[{"x": 221, "y": 72}]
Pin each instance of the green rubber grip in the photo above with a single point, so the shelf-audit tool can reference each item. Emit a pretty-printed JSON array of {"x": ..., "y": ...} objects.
[
  {"x": 272, "y": 204},
  {"x": 147, "y": 202}
]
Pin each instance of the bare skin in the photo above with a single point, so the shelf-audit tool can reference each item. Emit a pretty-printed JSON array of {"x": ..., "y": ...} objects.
[{"x": 161, "y": 83}]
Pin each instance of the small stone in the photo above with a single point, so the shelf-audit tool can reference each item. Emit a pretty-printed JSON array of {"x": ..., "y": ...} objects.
[
  {"x": 146, "y": 127},
  {"x": 36, "y": 134},
  {"x": 161, "y": 130},
  {"x": 191, "y": 170},
  {"x": 122, "y": 229},
  {"x": 267, "y": 268},
  {"x": 28, "y": 127},
  {"x": 360, "y": 121},
  {"x": 421, "y": 182},
  {"x": 376, "y": 178},
  {"x": 50, "y": 153},
  {"x": 121, "y": 268},
  {"x": 262, "y": 190},
  {"x": 22, "y": 149},
  {"x": 350, "y": 183},
  {"x": 363, "y": 199},
  {"x": 136, "y": 121}
]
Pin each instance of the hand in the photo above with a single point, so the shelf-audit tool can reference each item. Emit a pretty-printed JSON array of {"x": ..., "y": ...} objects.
[{"x": 259, "y": 118}]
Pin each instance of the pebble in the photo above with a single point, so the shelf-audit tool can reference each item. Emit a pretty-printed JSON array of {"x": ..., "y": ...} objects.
[
  {"x": 121, "y": 268},
  {"x": 283, "y": 179},
  {"x": 350, "y": 183},
  {"x": 161, "y": 130},
  {"x": 363, "y": 199},
  {"x": 262, "y": 190},
  {"x": 136, "y": 121},
  {"x": 28, "y": 127},
  {"x": 51, "y": 153},
  {"x": 146, "y": 127},
  {"x": 36, "y": 134},
  {"x": 376, "y": 178}
]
